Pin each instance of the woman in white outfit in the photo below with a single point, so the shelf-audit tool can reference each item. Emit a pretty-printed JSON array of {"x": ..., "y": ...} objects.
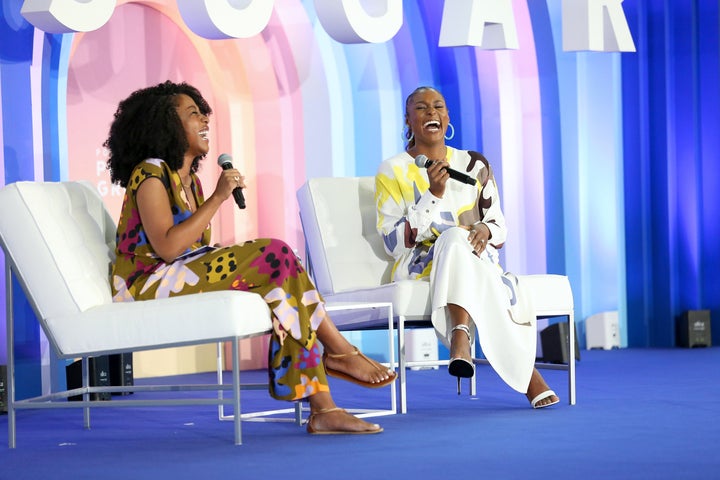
[{"x": 447, "y": 231}]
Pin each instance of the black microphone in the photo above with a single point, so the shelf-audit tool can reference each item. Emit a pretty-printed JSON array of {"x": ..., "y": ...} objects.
[
  {"x": 424, "y": 162},
  {"x": 225, "y": 162}
]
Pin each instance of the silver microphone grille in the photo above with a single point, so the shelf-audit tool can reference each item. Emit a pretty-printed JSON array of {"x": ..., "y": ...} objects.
[
  {"x": 421, "y": 160},
  {"x": 224, "y": 158}
]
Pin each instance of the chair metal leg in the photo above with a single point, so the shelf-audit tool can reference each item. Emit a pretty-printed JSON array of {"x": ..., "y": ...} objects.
[
  {"x": 401, "y": 363},
  {"x": 10, "y": 387},
  {"x": 85, "y": 369},
  {"x": 571, "y": 359},
  {"x": 391, "y": 354},
  {"x": 236, "y": 391}
]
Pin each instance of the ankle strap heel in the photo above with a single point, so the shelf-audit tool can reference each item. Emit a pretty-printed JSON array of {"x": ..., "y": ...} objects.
[
  {"x": 465, "y": 329},
  {"x": 460, "y": 367}
]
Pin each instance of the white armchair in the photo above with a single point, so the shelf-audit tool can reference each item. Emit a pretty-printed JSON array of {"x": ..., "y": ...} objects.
[
  {"x": 348, "y": 263},
  {"x": 58, "y": 241}
]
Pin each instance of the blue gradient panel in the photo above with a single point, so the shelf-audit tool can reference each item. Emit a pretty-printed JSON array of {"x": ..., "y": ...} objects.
[
  {"x": 567, "y": 122},
  {"x": 708, "y": 148},
  {"x": 551, "y": 142},
  {"x": 636, "y": 100},
  {"x": 16, "y": 46},
  {"x": 671, "y": 216},
  {"x": 683, "y": 173},
  {"x": 56, "y": 52}
]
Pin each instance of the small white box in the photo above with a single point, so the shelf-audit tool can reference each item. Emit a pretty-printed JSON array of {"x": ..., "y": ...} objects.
[
  {"x": 602, "y": 330},
  {"x": 421, "y": 344}
]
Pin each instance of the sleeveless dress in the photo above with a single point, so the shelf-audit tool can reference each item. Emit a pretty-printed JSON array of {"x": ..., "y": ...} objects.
[
  {"x": 423, "y": 235},
  {"x": 264, "y": 266}
]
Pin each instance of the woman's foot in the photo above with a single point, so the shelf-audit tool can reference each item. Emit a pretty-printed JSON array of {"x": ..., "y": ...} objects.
[
  {"x": 355, "y": 367},
  {"x": 336, "y": 421},
  {"x": 538, "y": 393}
]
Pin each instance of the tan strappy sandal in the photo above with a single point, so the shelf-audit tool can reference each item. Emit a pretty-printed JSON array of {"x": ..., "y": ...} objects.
[
  {"x": 313, "y": 431},
  {"x": 338, "y": 374}
]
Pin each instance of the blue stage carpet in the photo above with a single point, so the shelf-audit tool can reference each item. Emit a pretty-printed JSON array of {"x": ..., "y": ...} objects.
[{"x": 641, "y": 413}]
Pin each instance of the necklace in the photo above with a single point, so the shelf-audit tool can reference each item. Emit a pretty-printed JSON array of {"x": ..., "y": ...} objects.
[{"x": 187, "y": 193}]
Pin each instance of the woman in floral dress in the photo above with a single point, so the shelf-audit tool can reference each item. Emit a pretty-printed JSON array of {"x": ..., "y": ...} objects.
[{"x": 157, "y": 139}]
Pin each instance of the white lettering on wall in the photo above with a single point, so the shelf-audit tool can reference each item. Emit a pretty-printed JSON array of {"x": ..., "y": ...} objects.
[
  {"x": 597, "y": 25},
  {"x": 67, "y": 16},
  {"x": 360, "y": 21},
  {"x": 488, "y": 24},
  {"x": 222, "y": 19}
]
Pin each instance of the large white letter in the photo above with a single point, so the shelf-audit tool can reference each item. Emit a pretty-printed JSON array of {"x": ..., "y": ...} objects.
[
  {"x": 222, "y": 19},
  {"x": 67, "y": 16},
  {"x": 598, "y": 25},
  {"x": 360, "y": 21},
  {"x": 488, "y": 24}
]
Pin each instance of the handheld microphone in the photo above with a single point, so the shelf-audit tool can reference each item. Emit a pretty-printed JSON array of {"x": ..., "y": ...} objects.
[
  {"x": 225, "y": 162},
  {"x": 424, "y": 162}
]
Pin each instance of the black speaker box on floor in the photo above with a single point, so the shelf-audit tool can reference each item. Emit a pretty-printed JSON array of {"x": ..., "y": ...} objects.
[
  {"x": 121, "y": 371},
  {"x": 3, "y": 389},
  {"x": 693, "y": 329},
  {"x": 99, "y": 369},
  {"x": 554, "y": 340}
]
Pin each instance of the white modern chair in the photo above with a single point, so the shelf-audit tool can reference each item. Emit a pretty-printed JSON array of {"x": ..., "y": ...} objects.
[
  {"x": 347, "y": 260},
  {"x": 59, "y": 241}
]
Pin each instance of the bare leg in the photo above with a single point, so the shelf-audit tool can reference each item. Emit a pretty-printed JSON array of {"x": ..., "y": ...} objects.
[
  {"x": 357, "y": 366},
  {"x": 459, "y": 344},
  {"x": 536, "y": 387}
]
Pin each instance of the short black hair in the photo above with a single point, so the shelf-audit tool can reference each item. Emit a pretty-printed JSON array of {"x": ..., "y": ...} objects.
[{"x": 408, "y": 134}]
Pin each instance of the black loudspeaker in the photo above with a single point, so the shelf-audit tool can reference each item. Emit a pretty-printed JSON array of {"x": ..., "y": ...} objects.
[
  {"x": 3, "y": 389},
  {"x": 554, "y": 340},
  {"x": 693, "y": 329},
  {"x": 99, "y": 368},
  {"x": 121, "y": 371}
]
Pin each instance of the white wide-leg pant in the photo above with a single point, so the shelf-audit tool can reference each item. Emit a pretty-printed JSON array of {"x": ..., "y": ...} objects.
[{"x": 501, "y": 315}]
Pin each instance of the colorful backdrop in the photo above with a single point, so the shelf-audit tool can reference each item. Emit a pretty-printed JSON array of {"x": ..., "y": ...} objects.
[{"x": 607, "y": 162}]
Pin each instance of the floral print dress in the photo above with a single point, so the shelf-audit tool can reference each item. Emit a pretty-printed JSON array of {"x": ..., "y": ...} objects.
[{"x": 265, "y": 266}]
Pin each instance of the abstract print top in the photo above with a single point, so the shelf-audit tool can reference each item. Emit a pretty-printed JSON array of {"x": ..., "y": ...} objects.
[
  {"x": 137, "y": 267},
  {"x": 410, "y": 218}
]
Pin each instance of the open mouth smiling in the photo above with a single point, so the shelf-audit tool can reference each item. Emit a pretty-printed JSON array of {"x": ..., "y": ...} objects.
[{"x": 432, "y": 125}]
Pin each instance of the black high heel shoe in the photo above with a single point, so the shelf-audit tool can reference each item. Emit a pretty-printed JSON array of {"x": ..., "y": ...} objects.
[{"x": 459, "y": 367}]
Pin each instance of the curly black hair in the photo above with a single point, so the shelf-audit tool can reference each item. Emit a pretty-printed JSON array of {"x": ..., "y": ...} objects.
[{"x": 146, "y": 125}]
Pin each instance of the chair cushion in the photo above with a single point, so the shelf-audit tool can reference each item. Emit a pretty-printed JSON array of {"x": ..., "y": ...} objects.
[
  {"x": 550, "y": 294},
  {"x": 182, "y": 320},
  {"x": 60, "y": 239},
  {"x": 410, "y": 298}
]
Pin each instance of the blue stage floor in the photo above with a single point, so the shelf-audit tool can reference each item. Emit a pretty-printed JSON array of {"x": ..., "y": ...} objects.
[{"x": 641, "y": 413}]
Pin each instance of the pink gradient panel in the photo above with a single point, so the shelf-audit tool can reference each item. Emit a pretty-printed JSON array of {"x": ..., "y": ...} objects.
[
  {"x": 512, "y": 131},
  {"x": 106, "y": 66}
]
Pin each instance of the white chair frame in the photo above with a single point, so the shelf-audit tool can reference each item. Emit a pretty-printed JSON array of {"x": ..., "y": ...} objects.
[
  {"x": 58, "y": 240},
  {"x": 369, "y": 308}
]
